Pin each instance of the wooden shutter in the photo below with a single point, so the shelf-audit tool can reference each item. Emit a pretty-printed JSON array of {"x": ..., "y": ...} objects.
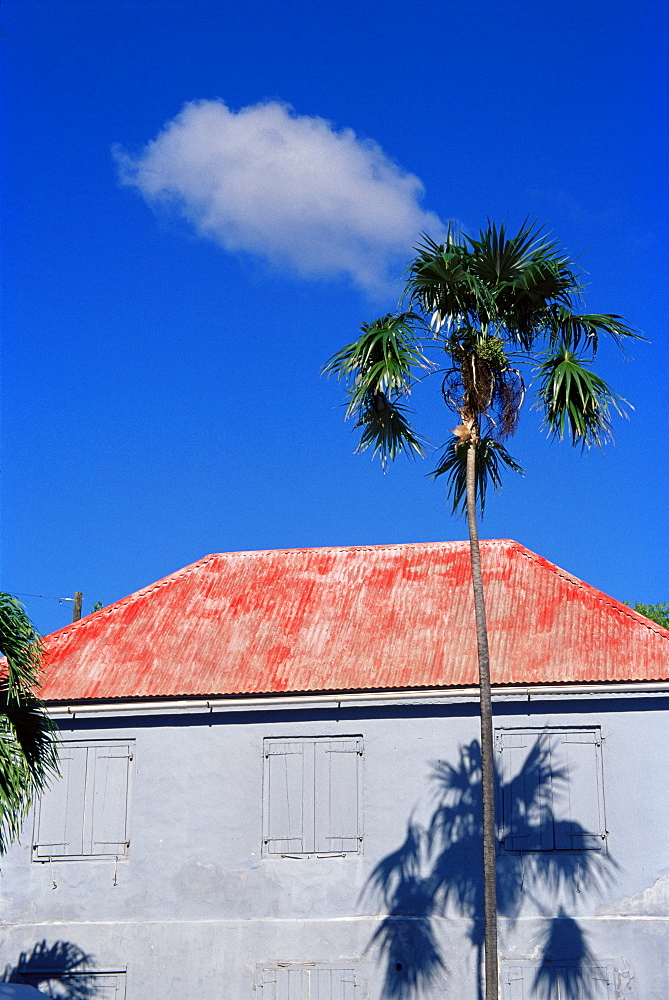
[
  {"x": 578, "y": 804},
  {"x": 100, "y": 985},
  {"x": 283, "y": 794},
  {"x": 107, "y": 794},
  {"x": 333, "y": 984},
  {"x": 307, "y": 982},
  {"x": 565, "y": 981},
  {"x": 85, "y": 812},
  {"x": 601, "y": 982},
  {"x": 526, "y": 813},
  {"x": 336, "y": 801},
  {"x": 267, "y": 985},
  {"x": 285, "y": 983},
  {"x": 514, "y": 982},
  {"x": 59, "y": 817}
]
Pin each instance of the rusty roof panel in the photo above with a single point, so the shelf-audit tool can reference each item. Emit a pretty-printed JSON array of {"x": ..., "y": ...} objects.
[{"x": 361, "y": 618}]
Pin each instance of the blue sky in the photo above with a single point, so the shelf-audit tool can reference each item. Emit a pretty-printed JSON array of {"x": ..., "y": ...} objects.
[{"x": 202, "y": 202}]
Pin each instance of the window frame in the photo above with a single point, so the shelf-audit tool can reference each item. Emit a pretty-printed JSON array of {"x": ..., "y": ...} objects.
[
  {"x": 309, "y": 809},
  {"x": 87, "y": 816},
  {"x": 599, "y": 839}
]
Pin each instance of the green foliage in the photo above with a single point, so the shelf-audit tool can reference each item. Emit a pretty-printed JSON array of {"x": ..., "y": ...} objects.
[
  {"x": 98, "y": 606},
  {"x": 378, "y": 371},
  {"x": 574, "y": 400},
  {"x": 491, "y": 458},
  {"x": 20, "y": 644},
  {"x": 28, "y": 756},
  {"x": 502, "y": 311},
  {"x": 386, "y": 429},
  {"x": 492, "y": 350},
  {"x": 658, "y": 613}
]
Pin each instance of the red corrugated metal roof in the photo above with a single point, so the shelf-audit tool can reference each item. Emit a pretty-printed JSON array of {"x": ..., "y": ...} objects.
[{"x": 368, "y": 617}]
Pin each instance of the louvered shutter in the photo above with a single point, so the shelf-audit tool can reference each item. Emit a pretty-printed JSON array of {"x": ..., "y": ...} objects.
[
  {"x": 59, "y": 817},
  {"x": 285, "y": 983},
  {"x": 526, "y": 814},
  {"x": 514, "y": 982},
  {"x": 101, "y": 985},
  {"x": 107, "y": 789},
  {"x": 579, "y": 820},
  {"x": 336, "y": 806},
  {"x": 104, "y": 987},
  {"x": 563, "y": 980},
  {"x": 307, "y": 982},
  {"x": 268, "y": 985},
  {"x": 602, "y": 981},
  {"x": 335, "y": 984},
  {"x": 284, "y": 808}
]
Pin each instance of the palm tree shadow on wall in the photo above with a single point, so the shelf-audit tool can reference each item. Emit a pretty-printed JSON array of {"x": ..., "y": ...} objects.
[
  {"x": 62, "y": 971},
  {"x": 437, "y": 872}
]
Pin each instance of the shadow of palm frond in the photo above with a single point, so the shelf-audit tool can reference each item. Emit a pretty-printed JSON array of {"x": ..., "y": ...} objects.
[
  {"x": 568, "y": 968},
  {"x": 62, "y": 971},
  {"x": 437, "y": 871},
  {"x": 405, "y": 938}
]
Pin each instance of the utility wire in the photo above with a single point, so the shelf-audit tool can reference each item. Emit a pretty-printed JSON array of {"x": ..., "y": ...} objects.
[{"x": 47, "y": 597}]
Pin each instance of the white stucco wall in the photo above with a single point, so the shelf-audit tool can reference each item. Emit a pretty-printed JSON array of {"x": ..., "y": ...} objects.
[{"x": 196, "y": 908}]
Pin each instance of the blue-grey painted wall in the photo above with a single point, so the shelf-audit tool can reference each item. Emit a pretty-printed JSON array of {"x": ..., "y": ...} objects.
[{"x": 196, "y": 910}]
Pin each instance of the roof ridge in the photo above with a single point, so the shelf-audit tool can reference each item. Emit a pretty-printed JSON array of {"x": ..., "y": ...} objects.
[
  {"x": 603, "y": 598},
  {"x": 129, "y": 598},
  {"x": 55, "y": 637}
]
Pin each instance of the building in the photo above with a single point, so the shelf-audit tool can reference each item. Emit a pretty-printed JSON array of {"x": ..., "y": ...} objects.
[{"x": 270, "y": 787}]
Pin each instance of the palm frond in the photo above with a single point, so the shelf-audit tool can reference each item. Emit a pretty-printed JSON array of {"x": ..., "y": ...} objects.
[
  {"x": 440, "y": 283},
  {"x": 31, "y": 734},
  {"x": 575, "y": 401},
  {"x": 386, "y": 430},
  {"x": 28, "y": 760},
  {"x": 574, "y": 331},
  {"x": 28, "y": 748},
  {"x": 526, "y": 271},
  {"x": 20, "y": 644},
  {"x": 493, "y": 282},
  {"x": 383, "y": 359},
  {"x": 491, "y": 459},
  {"x": 502, "y": 259}
]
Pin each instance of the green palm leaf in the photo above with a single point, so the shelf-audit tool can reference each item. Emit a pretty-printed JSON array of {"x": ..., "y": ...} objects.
[
  {"x": 28, "y": 749},
  {"x": 379, "y": 369},
  {"x": 20, "y": 644},
  {"x": 383, "y": 359},
  {"x": 387, "y": 431},
  {"x": 574, "y": 331},
  {"x": 491, "y": 458},
  {"x": 575, "y": 401}
]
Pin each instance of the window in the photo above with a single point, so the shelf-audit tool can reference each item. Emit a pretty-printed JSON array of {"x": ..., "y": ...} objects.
[
  {"x": 57, "y": 984},
  {"x": 85, "y": 812},
  {"x": 550, "y": 789},
  {"x": 292, "y": 981},
  {"x": 561, "y": 980},
  {"x": 312, "y": 796}
]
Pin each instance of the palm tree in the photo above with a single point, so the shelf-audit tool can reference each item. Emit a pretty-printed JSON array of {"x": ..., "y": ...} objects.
[
  {"x": 28, "y": 756},
  {"x": 501, "y": 313}
]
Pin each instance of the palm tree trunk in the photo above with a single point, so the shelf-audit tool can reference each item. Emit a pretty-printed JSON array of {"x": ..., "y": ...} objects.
[{"x": 487, "y": 765}]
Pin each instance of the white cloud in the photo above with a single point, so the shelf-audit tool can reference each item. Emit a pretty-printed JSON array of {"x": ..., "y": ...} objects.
[{"x": 285, "y": 187}]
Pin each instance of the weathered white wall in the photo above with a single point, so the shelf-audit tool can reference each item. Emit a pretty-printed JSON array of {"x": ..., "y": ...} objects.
[{"x": 196, "y": 907}]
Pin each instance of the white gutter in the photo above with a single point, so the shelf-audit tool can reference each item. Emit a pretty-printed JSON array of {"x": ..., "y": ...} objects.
[{"x": 353, "y": 699}]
